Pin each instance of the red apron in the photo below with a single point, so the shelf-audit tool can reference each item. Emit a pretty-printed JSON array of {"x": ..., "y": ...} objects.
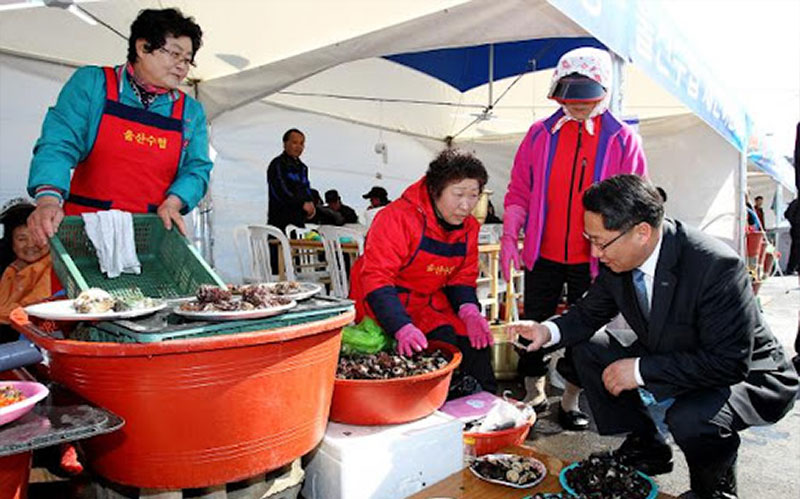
[
  {"x": 134, "y": 158},
  {"x": 419, "y": 285}
]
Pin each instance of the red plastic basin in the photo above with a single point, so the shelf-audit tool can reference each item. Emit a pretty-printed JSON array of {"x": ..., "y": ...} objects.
[
  {"x": 493, "y": 441},
  {"x": 14, "y": 471},
  {"x": 203, "y": 411},
  {"x": 393, "y": 401}
]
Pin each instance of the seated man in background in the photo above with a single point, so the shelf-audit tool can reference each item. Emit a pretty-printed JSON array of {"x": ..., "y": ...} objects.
[
  {"x": 700, "y": 342},
  {"x": 335, "y": 204},
  {"x": 378, "y": 198},
  {"x": 324, "y": 215}
]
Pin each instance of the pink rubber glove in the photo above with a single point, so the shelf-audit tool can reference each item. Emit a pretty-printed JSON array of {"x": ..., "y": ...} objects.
[
  {"x": 513, "y": 219},
  {"x": 410, "y": 340},
  {"x": 480, "y": 336}
]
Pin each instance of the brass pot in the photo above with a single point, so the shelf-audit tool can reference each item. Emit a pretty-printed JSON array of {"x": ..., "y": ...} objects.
[
  {"x": 504, "y": 356},
  {"x": 482, "y": 208}
]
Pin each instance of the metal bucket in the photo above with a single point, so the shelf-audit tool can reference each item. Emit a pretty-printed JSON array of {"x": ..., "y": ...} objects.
[
  {"x": 504, "y": 356},
  {"x": 482, "y": 208}
]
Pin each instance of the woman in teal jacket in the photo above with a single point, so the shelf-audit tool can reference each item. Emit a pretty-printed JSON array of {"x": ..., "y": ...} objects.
[{"x": 135, "y": 141}]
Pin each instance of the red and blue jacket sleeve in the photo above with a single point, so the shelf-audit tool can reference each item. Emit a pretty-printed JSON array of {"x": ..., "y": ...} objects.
[{"x": 388, "y": 248}]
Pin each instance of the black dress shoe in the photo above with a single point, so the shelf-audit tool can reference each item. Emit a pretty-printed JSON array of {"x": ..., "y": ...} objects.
[
  {"x": 650, "y": 455},
  {"x": 572, "y": 420},
  {"x": 540, "y": 407}
]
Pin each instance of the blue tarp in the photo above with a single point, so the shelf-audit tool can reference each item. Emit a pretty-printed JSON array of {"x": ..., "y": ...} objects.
[{"x": 468, "y": 67}]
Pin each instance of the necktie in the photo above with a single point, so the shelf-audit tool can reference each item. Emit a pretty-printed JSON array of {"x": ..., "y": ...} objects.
[{"x": 641, "y": 292}]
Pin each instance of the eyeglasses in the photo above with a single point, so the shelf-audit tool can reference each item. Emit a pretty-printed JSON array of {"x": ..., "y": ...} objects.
[
  {"x": 177, "y": 57},
  {"x": 604, "y": 246}
]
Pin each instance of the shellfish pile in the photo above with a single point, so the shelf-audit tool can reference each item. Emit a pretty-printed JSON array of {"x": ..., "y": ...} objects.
[
  {"x": 605, "y": 476},
  {"x": 210, "y": 298},
  {"x": 518, "y": 470},
  {"x": 384, "y": 365}
]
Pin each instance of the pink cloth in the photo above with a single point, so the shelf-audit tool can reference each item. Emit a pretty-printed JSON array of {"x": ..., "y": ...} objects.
[
  {"x": 480, "y": 336},
  {"x": 619, "y": 151},
  {"x": 410, "y": 340}
]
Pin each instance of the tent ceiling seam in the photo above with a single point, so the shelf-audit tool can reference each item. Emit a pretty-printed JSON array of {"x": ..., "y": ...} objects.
[
  {"x": 101, "y": 22},
  {"x": 355, "y": 122},
  {"x": 40, "y": 58},
  {"x": 377, "y": 99}
]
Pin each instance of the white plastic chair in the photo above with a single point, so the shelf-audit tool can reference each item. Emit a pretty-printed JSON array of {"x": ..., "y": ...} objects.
[
  {"x": 308, "y": 266},
  {"x": 295, "y": 232},
  {"x": 257, "y": 244},
  {"x": 332, "y": 241}
]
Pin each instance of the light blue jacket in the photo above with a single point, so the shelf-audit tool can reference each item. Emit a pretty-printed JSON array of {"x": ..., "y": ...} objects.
[{"x": 70, "y": 129}]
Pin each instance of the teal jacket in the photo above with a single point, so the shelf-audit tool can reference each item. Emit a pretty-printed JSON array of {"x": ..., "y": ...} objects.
[{"x": 70, "y": 129}]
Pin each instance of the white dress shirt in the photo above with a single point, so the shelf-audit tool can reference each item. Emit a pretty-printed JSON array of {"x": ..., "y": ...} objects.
[{"x": 648, "y": 268}]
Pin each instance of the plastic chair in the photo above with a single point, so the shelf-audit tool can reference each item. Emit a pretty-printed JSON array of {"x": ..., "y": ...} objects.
[
  {"x": 334, "y": 254},
  {"x": 258, "y": 252},
  {"x": 307, "y": 263},
  {"x": 295, "y": 232}
]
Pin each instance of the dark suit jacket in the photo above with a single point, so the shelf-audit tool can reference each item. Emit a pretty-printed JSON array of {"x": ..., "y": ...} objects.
[{"x": 705, "y": 329}]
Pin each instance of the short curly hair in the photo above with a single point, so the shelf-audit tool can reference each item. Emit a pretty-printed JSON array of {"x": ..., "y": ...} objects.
[
  {"x": 452, "y": 166},
  {"x": 154, "y": 25},
  {"x": 12, "y": 216}
]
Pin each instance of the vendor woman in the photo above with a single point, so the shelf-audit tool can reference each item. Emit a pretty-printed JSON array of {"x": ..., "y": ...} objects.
[
  {"x": 418, "y": 273},
  {"x": 136, "y": 142}
]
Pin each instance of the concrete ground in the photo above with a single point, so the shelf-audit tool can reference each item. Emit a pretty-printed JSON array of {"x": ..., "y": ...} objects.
[{"x": 769, "y": 457}]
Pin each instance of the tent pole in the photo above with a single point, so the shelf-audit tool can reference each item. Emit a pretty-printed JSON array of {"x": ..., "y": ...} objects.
[
  {"x": 741, "y": 210},
  {"x": 617, "y": 67},
  {"x": 491, "y": 76}
]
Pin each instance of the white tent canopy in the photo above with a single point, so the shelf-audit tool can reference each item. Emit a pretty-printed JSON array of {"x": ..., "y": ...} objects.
[{"x": 267, "y": 66}]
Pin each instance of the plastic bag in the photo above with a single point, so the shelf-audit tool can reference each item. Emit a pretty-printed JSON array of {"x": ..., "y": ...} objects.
[
  {"x": 505, "y": 415},
  {"x": 366, "y": 337}
]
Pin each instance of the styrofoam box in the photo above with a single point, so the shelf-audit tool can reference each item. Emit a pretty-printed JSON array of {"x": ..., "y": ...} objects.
[{"x": 354, "y": 462}]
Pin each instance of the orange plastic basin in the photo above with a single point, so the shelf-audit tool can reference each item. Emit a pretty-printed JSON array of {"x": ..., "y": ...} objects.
[
  {"x": 393, "y": 401},
  {"x": 204, "y": 411}
]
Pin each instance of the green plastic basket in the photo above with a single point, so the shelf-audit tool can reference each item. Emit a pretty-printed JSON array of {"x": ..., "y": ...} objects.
[{"x": 171, "y": 266}]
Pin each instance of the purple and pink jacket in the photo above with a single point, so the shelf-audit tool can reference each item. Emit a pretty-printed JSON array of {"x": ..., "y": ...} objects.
[{"x": 619, "y": 151}]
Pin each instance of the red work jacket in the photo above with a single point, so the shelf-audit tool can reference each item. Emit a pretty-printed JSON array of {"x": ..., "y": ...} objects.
[{"x": 413, "y": 269}]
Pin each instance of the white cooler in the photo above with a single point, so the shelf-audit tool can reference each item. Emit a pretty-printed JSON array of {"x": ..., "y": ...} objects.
[{"x": 354, "y": 462}]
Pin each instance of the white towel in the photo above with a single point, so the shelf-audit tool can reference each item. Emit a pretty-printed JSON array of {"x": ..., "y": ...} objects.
[{"x": 111, "y": 233}]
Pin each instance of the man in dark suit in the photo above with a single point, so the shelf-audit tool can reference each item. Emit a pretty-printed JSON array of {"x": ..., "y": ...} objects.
[{"x": 700, "y": 340}]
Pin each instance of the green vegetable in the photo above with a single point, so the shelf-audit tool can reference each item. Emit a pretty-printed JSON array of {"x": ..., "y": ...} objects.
[{"x": 366, "y": 337}]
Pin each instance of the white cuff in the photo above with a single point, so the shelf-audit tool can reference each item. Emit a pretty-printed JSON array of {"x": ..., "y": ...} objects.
[
  {"x": 555, "y": 333},
  {"x": 636, "y": 373}
]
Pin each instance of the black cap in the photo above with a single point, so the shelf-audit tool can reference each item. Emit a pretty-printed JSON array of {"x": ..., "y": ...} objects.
[
  {"x": 376, "y": 192},
  {"x": 331, "y": 196},
  {"x": 578, "y": 88}
]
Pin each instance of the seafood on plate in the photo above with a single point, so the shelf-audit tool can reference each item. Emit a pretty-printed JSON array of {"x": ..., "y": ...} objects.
[
  {"x": 210, "y": 298},
  {"x": 93, "y": 301}
]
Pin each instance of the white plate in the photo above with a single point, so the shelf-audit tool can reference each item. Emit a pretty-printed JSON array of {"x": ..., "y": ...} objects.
[
  {"x": 307, "y": 290},
  {"x": 257, "y": 313},
  {"x": 492, "y": 457},
  {"x": 62, "y": 310}
]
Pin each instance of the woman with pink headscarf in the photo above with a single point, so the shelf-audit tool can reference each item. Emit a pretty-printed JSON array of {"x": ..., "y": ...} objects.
[{"x": 559, "y": 158}]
